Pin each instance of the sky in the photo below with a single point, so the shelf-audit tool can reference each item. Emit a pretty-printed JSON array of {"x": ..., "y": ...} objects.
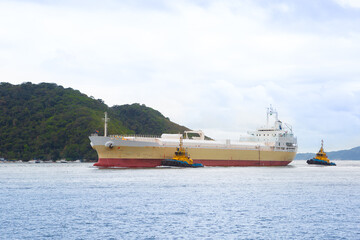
[{"x": 214, "y": 65}]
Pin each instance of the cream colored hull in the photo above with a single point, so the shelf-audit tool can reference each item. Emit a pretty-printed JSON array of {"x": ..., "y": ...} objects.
[{"x": 144, "y": 156}]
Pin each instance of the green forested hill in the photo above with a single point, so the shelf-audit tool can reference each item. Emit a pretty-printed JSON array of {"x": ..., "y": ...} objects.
[
  {"x": 144, "y": 120},
  {"x": 47, "y": 121}
]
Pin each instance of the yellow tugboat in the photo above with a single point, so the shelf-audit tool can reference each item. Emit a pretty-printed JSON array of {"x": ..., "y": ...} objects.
[
  {"x": 181, "y": 158},
  {"x": 321, "y": 157}
]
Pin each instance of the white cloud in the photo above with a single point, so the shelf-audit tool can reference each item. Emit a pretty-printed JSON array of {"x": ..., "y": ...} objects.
[
  {"x": 215, "y": 66},
  {"x": 349, "y": 3}
]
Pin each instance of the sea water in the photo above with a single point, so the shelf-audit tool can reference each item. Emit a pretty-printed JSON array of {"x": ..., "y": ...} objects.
[{"x": 78, "y": 201}]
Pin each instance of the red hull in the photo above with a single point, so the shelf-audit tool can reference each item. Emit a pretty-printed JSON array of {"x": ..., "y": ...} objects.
[
  {"x": 128, "y": 163},
  {"x": 241, "y": 163},
  {"x": 150, "y": 163}
]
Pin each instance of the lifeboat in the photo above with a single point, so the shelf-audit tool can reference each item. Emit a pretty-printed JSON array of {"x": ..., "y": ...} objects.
[{"x": 321, "y": 158}]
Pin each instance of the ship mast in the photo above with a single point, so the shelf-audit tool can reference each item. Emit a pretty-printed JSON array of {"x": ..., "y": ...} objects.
[
  {"x": 181, "y": 144},
  {"x": 106, "y": 119},
  {"x": 271, "y": 111}
]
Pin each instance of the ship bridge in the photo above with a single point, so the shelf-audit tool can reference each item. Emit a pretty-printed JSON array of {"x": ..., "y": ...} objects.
[{"x": 279, "y": 134}]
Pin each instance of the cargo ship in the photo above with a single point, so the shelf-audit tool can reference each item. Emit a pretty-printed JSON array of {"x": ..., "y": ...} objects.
[{"x": 271, "y": 145}]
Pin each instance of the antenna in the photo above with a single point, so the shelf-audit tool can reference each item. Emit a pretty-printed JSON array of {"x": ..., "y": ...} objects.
[
  {"x": 106, "y": 119},
  {"x": 271, "y": 111}
]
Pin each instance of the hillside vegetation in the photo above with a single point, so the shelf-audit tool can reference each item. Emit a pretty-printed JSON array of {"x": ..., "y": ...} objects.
[{"x": 46, "y": 121}]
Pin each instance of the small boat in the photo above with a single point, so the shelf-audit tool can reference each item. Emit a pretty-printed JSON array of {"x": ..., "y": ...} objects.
[
  {"x": 61, "y": 161},
  {"x": 181, "y": 158},
  {"x": 321, "y": 158}
]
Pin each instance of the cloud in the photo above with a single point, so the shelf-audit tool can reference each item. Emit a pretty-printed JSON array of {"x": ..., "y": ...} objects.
[
  {"x": 211, "y": 65},
  {"x": 348, "y": 3}
]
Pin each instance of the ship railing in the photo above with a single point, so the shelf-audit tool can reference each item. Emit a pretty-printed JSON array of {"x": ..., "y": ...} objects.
[{"x": 133, "y": 137}]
